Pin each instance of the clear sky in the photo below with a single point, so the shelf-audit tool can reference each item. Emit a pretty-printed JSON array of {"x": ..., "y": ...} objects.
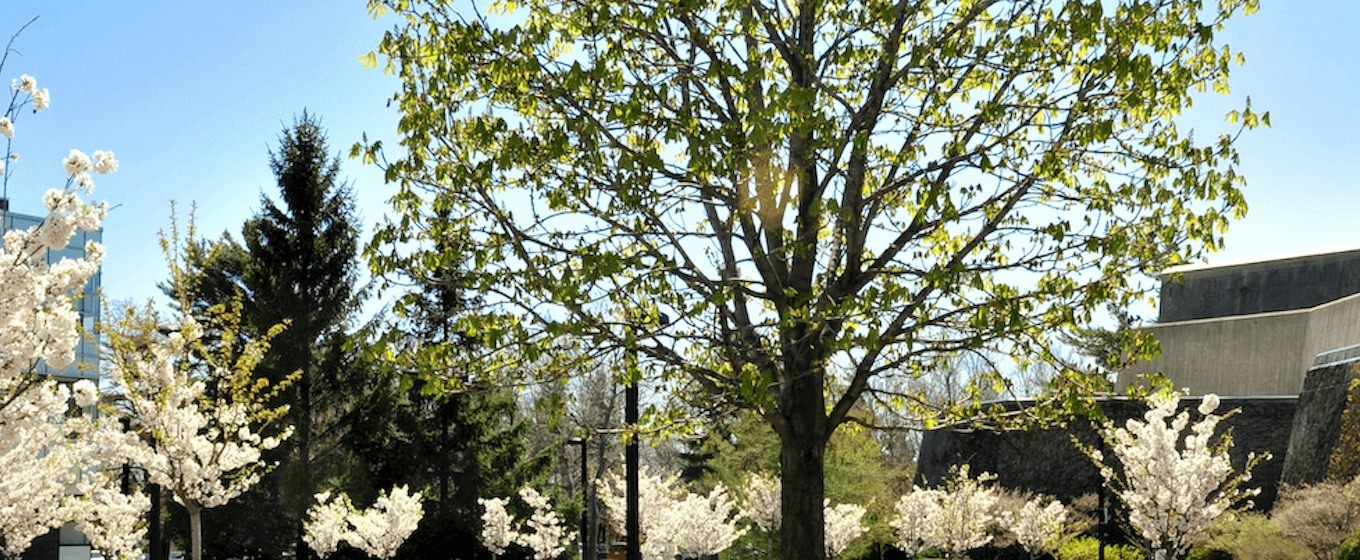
[{"x": 192, "y": 95}]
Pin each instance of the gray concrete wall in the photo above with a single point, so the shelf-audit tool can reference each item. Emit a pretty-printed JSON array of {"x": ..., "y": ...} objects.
[
  {"x": 1317, "y": 423},
  {"x": 1255, "y": 355},
  {"x": 1260, "y": 287}
]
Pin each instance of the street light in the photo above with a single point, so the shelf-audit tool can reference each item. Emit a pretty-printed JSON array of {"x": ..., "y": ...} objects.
[
  {"x": 585, "y": 494},
  {"x": 633, "y": 521}
]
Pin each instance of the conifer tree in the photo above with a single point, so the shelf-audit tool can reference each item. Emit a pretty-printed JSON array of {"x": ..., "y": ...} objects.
[{"x": 297, "y": 266}]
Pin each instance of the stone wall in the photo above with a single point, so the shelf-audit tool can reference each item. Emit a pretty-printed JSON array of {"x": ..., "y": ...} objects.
[
  {"x": 1047, "y": 462},
  {"x": 1317, "y": 424}
]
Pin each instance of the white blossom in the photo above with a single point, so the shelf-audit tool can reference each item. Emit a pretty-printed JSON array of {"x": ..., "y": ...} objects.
[
  {"x": 842, "y": 526},
  {"x": 104, "y": 162},
  {"x": 497, "y": 533},
  {"x": 26, "y": 84},
  {"x": 953, "y": 520},
  {"x": 327, "y": 523},
  {"x": 380, "y": 530},
  {"x": 548, "y": 539},
  {"x": 1173, "y": 495},
  {"x": 1037, "y": 529},
  {"x": 6, "y": 127},
  {"x": 763, "y": 502},
  {"x": 675, "y": 521},
  {"x": 41, "y": 99},
  {"x": 76, "y": 163}
]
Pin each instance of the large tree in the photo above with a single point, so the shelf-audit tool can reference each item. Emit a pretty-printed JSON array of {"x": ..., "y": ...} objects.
[
  {"x": 297, "y": 266},
  {"x": 822, "y": 196}
]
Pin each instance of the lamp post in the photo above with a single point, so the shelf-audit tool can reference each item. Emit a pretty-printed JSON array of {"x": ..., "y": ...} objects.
[
  {"x": 633, "y": 522},
  {"x": 585, "y": 495}
]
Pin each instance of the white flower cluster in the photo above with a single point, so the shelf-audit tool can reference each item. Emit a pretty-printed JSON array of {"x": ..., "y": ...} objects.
[
  {"x": 27, "y": 84},
  {"x": 763, "y": 502},
  {"x": 548, "y": 539},
  {"x": 43, "y": 451},
  {"x": 675, "y": 521},
  {"x": 1173, "y": 495},
  {"x": 378, "y": 531},
  {"x": 841, "y": 524},
  {"x": 497, "y": 531},
  {"x": 953, "y": 520},
  {"x": 205, "y": 450},
  {"x": 1038, "y": 529}
]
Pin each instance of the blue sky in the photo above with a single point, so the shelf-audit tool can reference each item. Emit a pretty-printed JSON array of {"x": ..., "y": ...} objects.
[{"x": 192, "y": 95}]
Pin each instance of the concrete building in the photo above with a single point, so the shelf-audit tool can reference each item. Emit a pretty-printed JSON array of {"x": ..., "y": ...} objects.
[
  {"x": 1254, "y": 327},
  {"x": 67, "y": 543}
]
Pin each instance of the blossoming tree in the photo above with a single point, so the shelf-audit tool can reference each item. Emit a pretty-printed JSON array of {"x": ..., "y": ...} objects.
[
  {"x": 199, "y": 410},
  {"x": 1174, "y": 488},
  {"x": 44, "y": 452},
  {"x": 548, "y": 538},
  {"x": 954, "y": 519},
  {"x": 675, "y": 521},
  {"x": 841, "y": 524},
  {"x": 378, "y": 531}
]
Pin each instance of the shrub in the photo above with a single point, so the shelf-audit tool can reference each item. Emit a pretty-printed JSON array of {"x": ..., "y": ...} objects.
[
  {"x": 1320, "y": 516},
  {"x": 1247, "y": 536},
  {"x": 1087, "y": 548},
  {"x": 1350, "y": 550}
]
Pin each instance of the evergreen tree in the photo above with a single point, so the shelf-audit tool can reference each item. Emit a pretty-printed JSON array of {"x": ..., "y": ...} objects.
[
  {"x": 297, "y": 265},
  {"x": 455, "y": 446}
]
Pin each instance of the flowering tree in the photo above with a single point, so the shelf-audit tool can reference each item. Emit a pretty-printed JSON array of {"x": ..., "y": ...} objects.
[
  {"x": 953, "y": 520},
  {"x": 841, "y": 524},
  {"x": 497, "y": 533},
  {"x": 45, "y": 452},
  {"x": 378, "y": 531},
  {"x": 1173, "y": 495},
  {"x": 203, "y": 446},
  {"x": 548, "y": 538},
  {"x": 675, "y": 521},
  {"x": 1037, "y": 529}
]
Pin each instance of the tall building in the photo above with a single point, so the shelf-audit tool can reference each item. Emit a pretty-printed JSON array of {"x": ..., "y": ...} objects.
[{"x": 66, "y": 543}]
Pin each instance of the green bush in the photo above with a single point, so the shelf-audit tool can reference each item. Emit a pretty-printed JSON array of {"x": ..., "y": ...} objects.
[
  {"x": 1087, "y": 548},
  {"x": 1350, "y": 549},
  {"x": 1247, "y": 536}
]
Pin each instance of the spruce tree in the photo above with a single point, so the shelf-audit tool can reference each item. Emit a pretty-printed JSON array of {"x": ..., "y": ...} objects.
[{"x": 297, "y": 264}]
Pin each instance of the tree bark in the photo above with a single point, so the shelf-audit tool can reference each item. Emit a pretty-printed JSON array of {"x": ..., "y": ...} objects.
[
  {"x": 802, "y": 437},
  {"x": 195, "y": 531}
]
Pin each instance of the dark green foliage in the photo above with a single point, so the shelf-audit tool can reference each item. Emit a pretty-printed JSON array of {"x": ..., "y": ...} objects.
[
  {"x": 297, "y": 265},
  {"x": 1247, "y": 536}
]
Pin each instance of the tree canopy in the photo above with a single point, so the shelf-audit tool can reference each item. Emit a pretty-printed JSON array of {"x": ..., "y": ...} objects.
[{"x": 824, "y": 198}]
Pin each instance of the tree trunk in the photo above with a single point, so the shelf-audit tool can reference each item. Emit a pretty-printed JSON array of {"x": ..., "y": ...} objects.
[
  {"x": 802, "y": 452},
  {"x": 195, "y": 531},
  {"x": 304, "y": 439}
]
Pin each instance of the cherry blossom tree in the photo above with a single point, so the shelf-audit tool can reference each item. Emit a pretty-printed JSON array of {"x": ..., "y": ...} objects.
[
  {"x": 497, "y": 533},
  {"x": 1038, "y": 529},
  {"x": 675, "y": 521},
  {"x": 842, "y": 526},
  {"x": 1174, "y": 487},
  {"x": 841, "y": 523},
  {"x": 44, "y": 451},
  {"x": 198, "y": 407},
  {"x": 548, "y": 539},
  {"x": 954, "y": 519},
  {"x": 378, "y": 531}
]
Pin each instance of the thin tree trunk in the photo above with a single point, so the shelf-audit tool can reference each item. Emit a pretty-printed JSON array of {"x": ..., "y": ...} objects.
[{"x": 195, "y": 531}]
